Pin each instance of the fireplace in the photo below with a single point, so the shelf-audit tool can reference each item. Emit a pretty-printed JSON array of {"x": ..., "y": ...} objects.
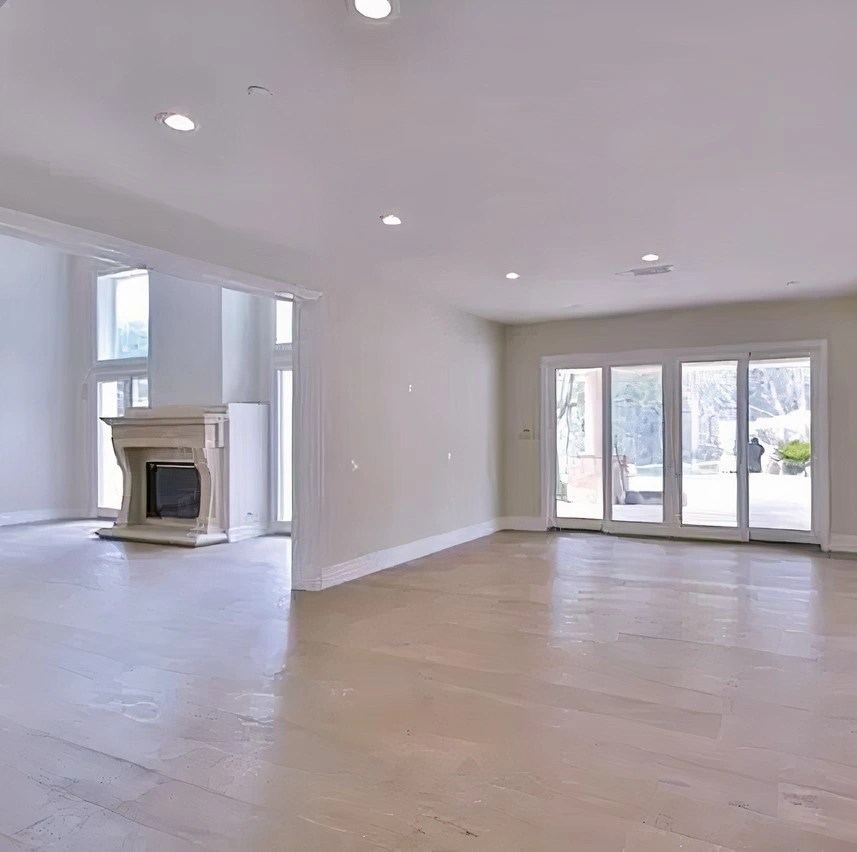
[
  {"x": 192, "y": 475},
  {"x": 173, "y": 490}
]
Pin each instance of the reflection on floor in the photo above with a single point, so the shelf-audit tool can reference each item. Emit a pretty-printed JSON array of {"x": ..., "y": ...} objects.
[{"x": 523, "y": 692}]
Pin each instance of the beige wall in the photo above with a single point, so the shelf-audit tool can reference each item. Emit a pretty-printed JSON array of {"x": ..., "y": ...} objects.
[
  {"x": 400, "y": 386},
  {"x": 834, "y": 320}
]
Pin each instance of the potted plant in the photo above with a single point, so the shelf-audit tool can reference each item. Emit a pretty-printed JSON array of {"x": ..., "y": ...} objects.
[{"x": 794, "y": 456}]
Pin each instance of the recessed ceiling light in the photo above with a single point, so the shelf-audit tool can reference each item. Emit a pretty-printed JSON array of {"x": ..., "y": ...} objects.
[
  {"x": 651, "y": 258},
  {"x": 176, "y": 121},
  {"x": 377, "y": 10},
  {"x": 391, "y": 219},
  {"x": 512, "y": 276}
]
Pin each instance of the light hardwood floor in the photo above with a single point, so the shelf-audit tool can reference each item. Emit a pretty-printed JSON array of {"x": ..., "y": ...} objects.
[{"x": 524, "y": 692}]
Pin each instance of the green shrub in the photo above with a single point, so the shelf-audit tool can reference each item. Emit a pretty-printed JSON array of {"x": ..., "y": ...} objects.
[{"x": 795, "y": 451}]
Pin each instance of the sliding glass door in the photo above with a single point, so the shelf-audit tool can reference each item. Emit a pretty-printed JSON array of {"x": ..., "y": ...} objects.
[
  {"x": 709, "y": 444},
  {"x": 780, "y": 445},
  {"x": 637, "y": 444},
  {"x": 579, "y": 490},
  {"x": 283, "y": 446},
  {"x": 714, "y": 443}
]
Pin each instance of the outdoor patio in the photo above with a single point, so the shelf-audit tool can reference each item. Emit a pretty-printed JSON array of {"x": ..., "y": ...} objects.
[{"x": 776, "y": 502}]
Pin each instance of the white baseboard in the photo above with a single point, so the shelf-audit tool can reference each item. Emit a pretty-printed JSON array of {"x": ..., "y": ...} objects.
[
  {"x": 380, "y": 560},
  {"x": 843, "y": 543},
  {"x": 234, "y": 534},
  {"x": 393, "y": 556},
  {"x": 523, "y": 524},
  {"x": 37, "y": 516}
]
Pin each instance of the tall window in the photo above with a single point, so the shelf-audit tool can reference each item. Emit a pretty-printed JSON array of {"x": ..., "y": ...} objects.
[
  {"x": 283, "y": 413},
  {"x": 284, "y": 332},
  {"x": 123, "y": 316},
  {"x": 121, "y": 370}
]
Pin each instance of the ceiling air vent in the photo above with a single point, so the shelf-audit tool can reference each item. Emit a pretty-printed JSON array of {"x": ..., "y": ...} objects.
[{"x": 649, "y": 270}]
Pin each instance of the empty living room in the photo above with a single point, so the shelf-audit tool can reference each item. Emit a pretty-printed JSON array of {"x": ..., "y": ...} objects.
[{"x": 428, "y": 426}]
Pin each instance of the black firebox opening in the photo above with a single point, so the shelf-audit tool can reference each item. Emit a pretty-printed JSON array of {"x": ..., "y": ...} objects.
[{"x": 172, "y": 490}]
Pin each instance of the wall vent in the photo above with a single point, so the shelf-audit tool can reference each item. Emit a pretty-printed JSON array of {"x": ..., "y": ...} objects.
[{"x": 649, "y": 270}]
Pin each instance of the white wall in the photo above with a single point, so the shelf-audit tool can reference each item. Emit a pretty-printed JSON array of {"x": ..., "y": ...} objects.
[
  {"x": 185, "y": 352},
  {"x": 409, "y": 399},
  {"x": 207, "y": 345},
  {"x": 40, "y": 385},
  {"x": 248, "y": 334},
  {"x": 834, "y": 320}
]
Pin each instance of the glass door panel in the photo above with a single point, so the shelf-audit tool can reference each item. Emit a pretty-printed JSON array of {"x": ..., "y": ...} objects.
[
  {"x": 637, "y": 443},
  {"x": 779, "y": 452},
  {"x": 284, "y": 445},
  {"x": 111, "y": 403},
  {"x": 580, "y": 464},
  {"x": 709, "y": 449}
]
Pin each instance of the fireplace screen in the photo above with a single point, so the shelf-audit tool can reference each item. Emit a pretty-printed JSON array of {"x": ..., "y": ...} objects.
[{"x": 172, "y": 490}]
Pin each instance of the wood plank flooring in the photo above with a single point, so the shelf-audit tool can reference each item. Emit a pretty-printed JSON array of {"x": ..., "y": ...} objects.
[{"x": 524, "y": 692}]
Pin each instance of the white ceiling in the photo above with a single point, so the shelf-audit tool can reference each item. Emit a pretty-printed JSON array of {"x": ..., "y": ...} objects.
[{"x": 561, "y": 139}]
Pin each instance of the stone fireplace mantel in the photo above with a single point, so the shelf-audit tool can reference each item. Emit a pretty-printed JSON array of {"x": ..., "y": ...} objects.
[{"x": 228, "y": 447}]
